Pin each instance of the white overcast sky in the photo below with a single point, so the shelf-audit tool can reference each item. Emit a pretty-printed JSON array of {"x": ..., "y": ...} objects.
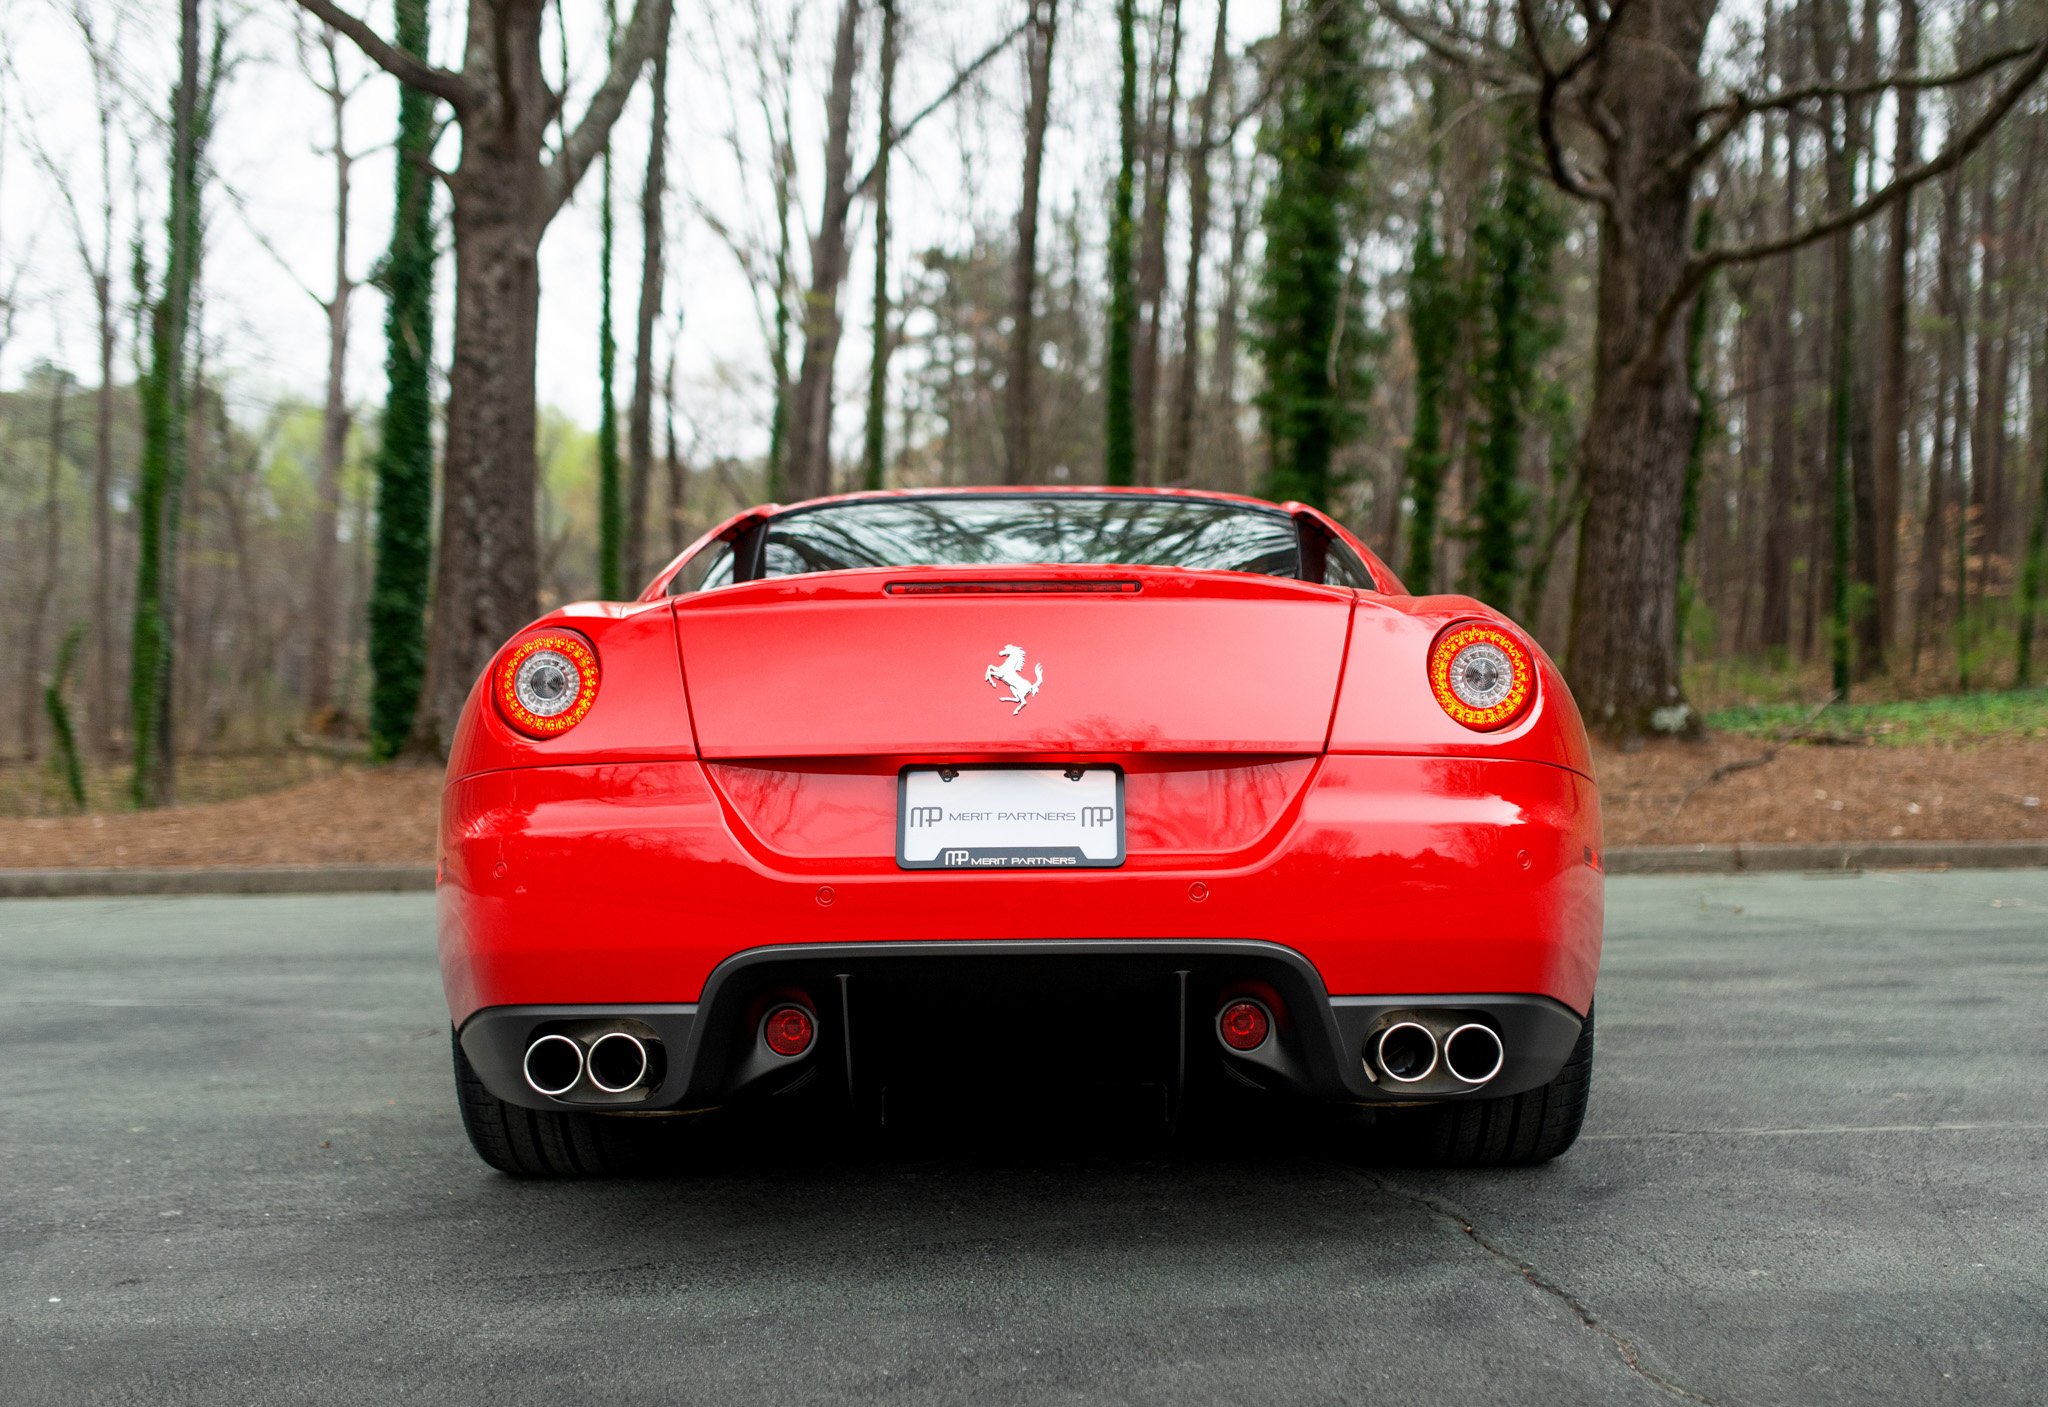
[{"x": 271, "y": 224}]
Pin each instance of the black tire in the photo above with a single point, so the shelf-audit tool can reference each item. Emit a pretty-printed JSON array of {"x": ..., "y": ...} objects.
[
  {"x": 553, "y": 1143},
  {"x": 1514, "y": 1131}
]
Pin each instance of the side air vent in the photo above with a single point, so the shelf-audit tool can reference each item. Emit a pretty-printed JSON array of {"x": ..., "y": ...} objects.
[{"x": 1013, "y": 588}]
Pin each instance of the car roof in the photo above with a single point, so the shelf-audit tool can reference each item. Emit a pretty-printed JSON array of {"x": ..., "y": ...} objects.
[{"x": 1033, "y": 490}]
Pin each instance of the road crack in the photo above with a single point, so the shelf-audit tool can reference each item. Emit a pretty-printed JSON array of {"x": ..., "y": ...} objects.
[{"x": 1631, "y": 1358}]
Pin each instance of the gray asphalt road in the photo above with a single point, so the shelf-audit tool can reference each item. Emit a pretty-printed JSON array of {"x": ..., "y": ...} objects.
[{"x": 1816, "y": 1171}]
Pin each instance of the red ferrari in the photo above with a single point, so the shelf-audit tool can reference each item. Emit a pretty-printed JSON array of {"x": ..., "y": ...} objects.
[{"x": 891, "y": 792}]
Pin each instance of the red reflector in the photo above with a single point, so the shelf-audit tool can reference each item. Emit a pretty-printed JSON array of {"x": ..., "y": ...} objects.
[
  {"x": 1243, "y": 1025},
  {"x": 1013, "y": 588},
  {"x": 788, "y": 1030}
]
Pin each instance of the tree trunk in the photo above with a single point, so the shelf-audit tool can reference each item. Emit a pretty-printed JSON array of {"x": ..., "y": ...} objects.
[
  {"x": 504, "y": 195},
  {"x": 487, "y": 576},
  {"x": 1180, "y": 442},
  {"x": 640, "y": 416},
  {"x": 101, "y": 709},
  {"x": 1223, "y": 369},
  {"x": 810, "y": 427},
  {"x": 1019, "y": 403},
  {"x": 1624, "y": 666},
  {"x": 1780, "y": 524},
  {"x": 1162, "y": 141},
  {"x": 2034, "y": 568},
  {"x": 1119, "y": 432},
  {"x": 30, "y": 673},
  {"x": 1894, "y": 411},
  {"x": 875, "y": 441},
  {"x": 334, "y": 423}
]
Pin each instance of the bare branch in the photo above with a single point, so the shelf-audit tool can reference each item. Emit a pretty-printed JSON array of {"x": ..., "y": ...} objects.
[
  {"x": 414, "y": 72},
  {"x": 945, "y": 95},
  {"x": 648, "y": 27},
  {"x": 1703, "y": 264},
  {"x": 1551, "y": 84},
  {"x": 1731, "y": 112},
  {"x": 1451, "y": 45}
]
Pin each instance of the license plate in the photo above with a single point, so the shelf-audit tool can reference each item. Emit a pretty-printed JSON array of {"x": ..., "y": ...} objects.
[{"x": 1010, "y": 818}]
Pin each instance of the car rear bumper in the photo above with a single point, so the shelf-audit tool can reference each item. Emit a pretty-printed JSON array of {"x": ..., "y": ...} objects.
[
  {"x": 632, "y": 884},
  {"x": 1055, "y": 1014}
]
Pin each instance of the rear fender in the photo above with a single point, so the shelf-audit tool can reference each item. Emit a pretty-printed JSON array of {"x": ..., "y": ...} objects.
[
  {"x": 1384, "y": 704},
  {"x": 641, "y": 713}
]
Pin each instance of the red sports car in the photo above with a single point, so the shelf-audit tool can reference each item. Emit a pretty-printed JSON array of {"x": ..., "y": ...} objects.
[{"x": 885, "y": 791}]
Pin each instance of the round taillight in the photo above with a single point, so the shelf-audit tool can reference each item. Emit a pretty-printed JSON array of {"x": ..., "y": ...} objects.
[
  {"x": 1482, "y": 676},
  {"x": 788, "y": 1030},
  {"x": 546, "y": 682},
  {"x": 1244, "y": 1024}
]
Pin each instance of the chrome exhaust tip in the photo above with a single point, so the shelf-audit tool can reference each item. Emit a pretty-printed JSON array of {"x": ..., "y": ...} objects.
[
  {"x": 553, "y": 1065},
  {"x": 618, "y": 1062},
  {"x": 1406, "y": 1052},
  {"x": 1474, "y": 1054}
]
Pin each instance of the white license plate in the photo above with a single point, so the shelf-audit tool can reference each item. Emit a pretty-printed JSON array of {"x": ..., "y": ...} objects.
[{"x": 997, "y": 818}]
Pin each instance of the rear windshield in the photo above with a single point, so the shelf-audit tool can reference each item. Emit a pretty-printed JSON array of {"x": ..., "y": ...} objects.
[{"x": 1059, "y": 529}]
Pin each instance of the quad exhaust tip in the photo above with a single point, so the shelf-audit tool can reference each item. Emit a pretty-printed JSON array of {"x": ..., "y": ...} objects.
[
  {"x": 617, "y": 1062},
  {"x": 553, "y": 1065},
  {"x": 1474, "y": 1054},
  {"x": 1406, "y": 1052}
]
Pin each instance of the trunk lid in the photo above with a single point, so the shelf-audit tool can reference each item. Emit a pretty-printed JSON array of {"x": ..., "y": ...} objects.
[{"x": 929, "y": 661}]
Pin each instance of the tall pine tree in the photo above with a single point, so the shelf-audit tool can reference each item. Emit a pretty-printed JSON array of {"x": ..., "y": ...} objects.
[
  {"x": 1310, "y": 333},
  {"x": 402, "y": 574}
]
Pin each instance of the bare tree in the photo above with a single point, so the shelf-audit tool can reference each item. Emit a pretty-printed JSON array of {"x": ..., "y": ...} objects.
[
  {"x": 335, "y": 417},
  {"x": 1180, "y": 441},
  {"x": 640, "y": 414},
  {"x": 1020, "y": 406},
  {"x": 93, "y": 238},
  {"x": 1630, "y": 90},
  {"x": 809, "y": 471},
  {"x": 1162, "y": 142},
  {"x": 506, "y": 188}
]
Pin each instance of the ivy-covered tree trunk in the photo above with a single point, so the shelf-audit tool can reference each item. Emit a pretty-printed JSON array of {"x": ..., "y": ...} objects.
[
  {"x": 1120, "y": 445},
  {"x": 1309, "y": 332},
  {"x": 165, "y": 399},
  {"x": 401, "y": 572}
]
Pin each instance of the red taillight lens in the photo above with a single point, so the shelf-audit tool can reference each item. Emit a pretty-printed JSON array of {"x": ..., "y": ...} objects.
[
  {"x": 1243, "y": 1025},
  {"x": 788, "y": 1030},
  {"x": 545, "y": 682},
  {"x": 1481, "y": 675}
]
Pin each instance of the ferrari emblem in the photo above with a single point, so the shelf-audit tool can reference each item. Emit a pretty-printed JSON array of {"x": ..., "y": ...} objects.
[{"x": 1010, "y": 670}]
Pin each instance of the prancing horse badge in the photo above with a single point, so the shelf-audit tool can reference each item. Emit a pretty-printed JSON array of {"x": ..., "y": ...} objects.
[{"x": 1010, "y": 670}]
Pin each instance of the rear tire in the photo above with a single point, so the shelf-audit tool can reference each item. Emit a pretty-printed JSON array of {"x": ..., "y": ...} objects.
[
  {"x": 1513, "y": 1131},
  {"x": 552, "y": 1143}
]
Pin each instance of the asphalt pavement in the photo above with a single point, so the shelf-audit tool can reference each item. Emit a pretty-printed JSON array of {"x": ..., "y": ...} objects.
[{"x": 1816, "y": 1171}]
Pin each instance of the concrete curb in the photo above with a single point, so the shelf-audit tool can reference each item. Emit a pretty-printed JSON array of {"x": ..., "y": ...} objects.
[
  {"x": 283, "y": 879},
  {"x": 1886, "y": 855},
  {"x": 1642, "y": 860}
]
